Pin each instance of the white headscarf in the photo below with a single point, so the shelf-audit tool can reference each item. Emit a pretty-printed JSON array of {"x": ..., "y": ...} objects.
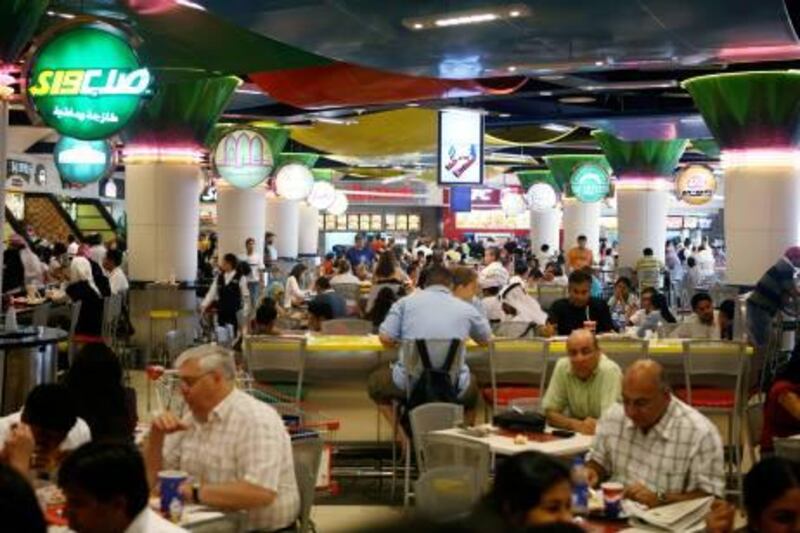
[
  {"x": 81, "y": 270},
  {"x": 527, "y": 308}
]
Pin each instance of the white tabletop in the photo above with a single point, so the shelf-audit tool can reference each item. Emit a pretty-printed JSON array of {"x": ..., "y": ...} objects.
[{"x": 502, "y": 445}]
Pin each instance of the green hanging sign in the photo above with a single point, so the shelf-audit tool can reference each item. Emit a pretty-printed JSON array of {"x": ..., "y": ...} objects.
[
  {"x": 87, "y": 82},
  {"x": 83, "y": 162},
  {"x": 590, "y": 183}
]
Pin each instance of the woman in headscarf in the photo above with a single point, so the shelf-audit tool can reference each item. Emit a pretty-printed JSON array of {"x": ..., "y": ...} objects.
[
  {"x": 521, "y": 308},
  {"x": 82, "y": 289}
]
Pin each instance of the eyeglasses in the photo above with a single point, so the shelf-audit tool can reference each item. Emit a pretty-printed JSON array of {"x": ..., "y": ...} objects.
[
  {"x": 190, "y": 381},
  {"x": 639, "y": 403}
]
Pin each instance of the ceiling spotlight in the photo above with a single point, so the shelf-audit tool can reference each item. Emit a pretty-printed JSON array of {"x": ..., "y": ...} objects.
[
  {"x": 412, "y": 104},
  {"x": 598, "y": 63},
  {"x": 512, "y": 69},
  {"x": 504, "y": 115},
  {"x": 467, "y": 17},
  {"x": 560, "y": 128},
  {"x": 577, "y": 99},
  {"x": 545, "y": 93}
]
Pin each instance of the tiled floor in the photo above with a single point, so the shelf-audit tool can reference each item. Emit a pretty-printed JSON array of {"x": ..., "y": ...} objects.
[{"x": 341, "y": 518}]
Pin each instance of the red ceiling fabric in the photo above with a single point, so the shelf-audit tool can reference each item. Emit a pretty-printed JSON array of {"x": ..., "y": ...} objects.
[{"x": 343, "y": 84}]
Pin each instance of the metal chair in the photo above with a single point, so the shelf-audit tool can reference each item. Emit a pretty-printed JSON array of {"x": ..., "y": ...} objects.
[
  {"x": 351, "y": 292},
  {"x": 112, "y": 310},
  {"x": 754, "y": 418},
  {"x": 423, "y": 420},
  {"x": 715, "y": 373},
  {"x": 448, "y": 450},
  {"x": 74, "y": 316},
  {"x": 624, "y": 351},
  {"x": 224, "y": 335},
  {"x": 41, "y": 315},
  {"x": 516, "y": 359},
  {"x": 307, "y": 454},
  {"x": 547, "y": 295},
  {"x": 447, "y": 493},
  {"x": 277, "y": 355},
  {"x": 787, "y": 448},
  {"x": 175, "y": 343},
  {"x": 347, "y": 326}
]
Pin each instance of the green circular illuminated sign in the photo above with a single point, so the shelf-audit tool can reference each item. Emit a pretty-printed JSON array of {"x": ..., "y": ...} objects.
[
  {"x": 87, "y": 83},
  {"x": 589, "y": 183},
  {"x": 243, "y": 158},
  {"x": 83, "y": 161}
]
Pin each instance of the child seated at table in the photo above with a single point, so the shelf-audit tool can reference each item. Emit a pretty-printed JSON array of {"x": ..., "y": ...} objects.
[{"x": 266, "y": 318}]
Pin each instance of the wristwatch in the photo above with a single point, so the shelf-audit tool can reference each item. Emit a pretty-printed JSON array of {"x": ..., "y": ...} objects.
[
  {"x": 196, "y": 492},
  {"x": 661, "y": 497}
]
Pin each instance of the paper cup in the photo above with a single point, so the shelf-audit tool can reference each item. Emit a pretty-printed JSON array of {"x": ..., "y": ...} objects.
[
  {"x": 612, "y": 498},
  {"x": 591, "y": 325},
  {"x": 169, "y": 481}
]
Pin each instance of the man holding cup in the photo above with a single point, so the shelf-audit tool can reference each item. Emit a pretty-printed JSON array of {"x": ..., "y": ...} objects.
[
  {"x": 235, "y": 448},
  {"x": 579, "y": 309},
  {"x": 662, "y": 450}
]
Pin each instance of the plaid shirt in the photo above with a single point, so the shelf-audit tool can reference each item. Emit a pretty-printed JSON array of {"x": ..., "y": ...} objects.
[
  {"x": 243, "y": 440},
  {"x": 681, "y": 453}
]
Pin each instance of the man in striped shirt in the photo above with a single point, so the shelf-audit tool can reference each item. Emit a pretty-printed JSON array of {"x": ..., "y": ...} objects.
[{"x": 774, "y": 291}]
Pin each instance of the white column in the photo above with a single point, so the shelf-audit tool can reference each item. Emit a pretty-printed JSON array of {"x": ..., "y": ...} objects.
[
  {"x": 287, "y": 230},
  {"x": 241, "y": 214},
  {"x": 545, "y": 225},
  {"x": 642, "y": 223},
  {"x": 163, "y": 206},
  {"x": 309, "y": 230},
  {"x": 581, "y": 219},
  {"x": 4, "y": 132},
  {"x": 762, "y": 218},
  {"x": 271, "y": 212}
]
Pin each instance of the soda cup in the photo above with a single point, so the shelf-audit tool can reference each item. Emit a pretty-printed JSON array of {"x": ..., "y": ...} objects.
[
  {"x": 591, "y": 325},
  {"x": 169, "y": 481},
  {"x": 612, "y": 498}
]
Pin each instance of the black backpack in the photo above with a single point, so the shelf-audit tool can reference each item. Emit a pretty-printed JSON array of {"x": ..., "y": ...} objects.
[{"x": 434, "y": 384}]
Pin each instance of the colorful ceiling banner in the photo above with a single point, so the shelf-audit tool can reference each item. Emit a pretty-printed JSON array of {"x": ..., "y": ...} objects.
[
  {"x": 564, "y": 166},
  {"x": 749, "y": 109},
  {"x": 641, "y": 158},
  {"x": 307, "y": 159},
  {"x": 529, "y": 177},
  {"x": 340, "y": 84},
  {"x": 708, "y": 147},
  {"x": 18, "y": 22}
]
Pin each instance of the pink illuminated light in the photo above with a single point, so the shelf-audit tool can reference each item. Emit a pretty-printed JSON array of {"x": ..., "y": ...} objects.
[
  {"x": 780, "y": 51},
  {"x": 643, "y": 183},
  {"x": 142, "y": 154},
  {"x": 379, "y": 194},
  {"x": 761, "y": 157}
]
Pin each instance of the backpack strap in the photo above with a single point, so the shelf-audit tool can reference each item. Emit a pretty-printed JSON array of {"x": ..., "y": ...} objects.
[
  {"x": 422, "y": 349},
  {"x": 451, "y": 354}
]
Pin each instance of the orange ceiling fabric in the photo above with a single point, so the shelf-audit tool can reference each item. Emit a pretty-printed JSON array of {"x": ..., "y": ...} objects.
[{"x": 343, "y": 84}]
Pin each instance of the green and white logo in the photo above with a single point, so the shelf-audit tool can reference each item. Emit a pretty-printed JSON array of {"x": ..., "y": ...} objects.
[
  {"x": 243, "y": 158},
  {"x": 83, "y": 161},
  {"x": 589, "y": 183},
  {"x": 87, "y": 83}
]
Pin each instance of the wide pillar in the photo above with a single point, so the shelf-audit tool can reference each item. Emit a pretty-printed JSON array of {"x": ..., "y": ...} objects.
[
  {"x": 582, "y": 218},
  {"x": 545, "y": 226},
  {"x": 241, "y": 215},
  {"x": 163, "y": 210},
  {"x": 644, "y": 176},
  {"x": 755, "y": 120},
  {"x": 308, "y": 242},
  {"x": 286, "y": 214}
]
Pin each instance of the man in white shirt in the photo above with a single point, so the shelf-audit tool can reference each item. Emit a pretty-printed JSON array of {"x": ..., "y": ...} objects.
[
  {"x": 117, "y": 280},
  {"x": 344, "y": 274},
  {"x": 49, "y": 420},
  {"x": 703, "y": 324},
  {"x": 493, "y": 268},
  {"x": 229, "y": 290},
  {"x": 106, "y": 490},
  {"x": 256, "y": 264},
  {"x": 234, "y": 446},
  {"x": 97, "y": 250},
  {"x": 659, "y": 448}
]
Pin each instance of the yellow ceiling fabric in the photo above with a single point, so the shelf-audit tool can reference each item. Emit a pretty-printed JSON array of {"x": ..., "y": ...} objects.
[
  {"x": 401, "y": 131},
  {"x": 523, "y": 136}
]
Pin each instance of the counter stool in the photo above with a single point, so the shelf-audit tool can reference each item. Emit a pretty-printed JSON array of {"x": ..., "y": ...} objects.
[{"x": 157, "y": 316}]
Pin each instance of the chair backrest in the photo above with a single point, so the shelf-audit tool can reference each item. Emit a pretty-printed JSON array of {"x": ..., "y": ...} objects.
[
  {"x": 787, "y": 448},
  {"x": 723, "y": 362},
  {"x": 449, "y": 450},
  {"x": 307, "y": 455},
  {"x": 276, "y": 354},
  {"x": 74, "y": 316},
  {"x": 437, "y": 349},
  {"x": 112, "y": 310},
  {"x": 347, "y": 326},
  {"x": 755, "y": 423},
  {"x": 175, "y": 342},
  {"x": 447, "y": 493},
  {"x": 224, "y": 335},
  {"x": 41, "y": 315},
  {"x": 349, "y": 291},
  {"x": 624, "y": 351},
  {"x": 548, "y": 294},
  {"x": 518, "y": 359},
  {"x": 432, "y": 417}
]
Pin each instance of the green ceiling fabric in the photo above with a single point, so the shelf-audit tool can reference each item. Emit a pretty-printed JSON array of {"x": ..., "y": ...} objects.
[
  {"x": 323, "y": 174},
  {"x": 562, "y": 166},
  {"x": 18, "y": 22},
  {"x": 641, "y": 158},
  {"x": 709, "y": 147},
  {"x": 529, "y": 177},
  {"x": 308, "y": 159},
  {"x": 181, "y": 112},
  {"x": 750, "y": 109}
]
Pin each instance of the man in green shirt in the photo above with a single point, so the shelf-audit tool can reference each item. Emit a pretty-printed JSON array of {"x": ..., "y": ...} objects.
[{"x": 583, "y": 386}]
